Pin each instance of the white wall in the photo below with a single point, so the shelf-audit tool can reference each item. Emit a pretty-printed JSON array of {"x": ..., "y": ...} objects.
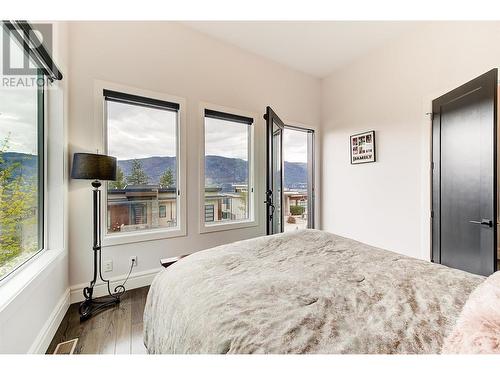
[
  {"x": 34, "y": 299},
  {"x": 387, "y": 203},
  {"x": 169, "y": 58}
]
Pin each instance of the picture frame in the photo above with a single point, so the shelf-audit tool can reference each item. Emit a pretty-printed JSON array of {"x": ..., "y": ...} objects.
[{"x": 362, "y": 147}]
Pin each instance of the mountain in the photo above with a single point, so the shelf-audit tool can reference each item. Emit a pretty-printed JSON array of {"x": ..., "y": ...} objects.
[
  {"x": 153, "y": 166},
  {"x": 28, "y": 164},
  {"x": 295, "y": 175},
  {"x": 220, "y": 171}
]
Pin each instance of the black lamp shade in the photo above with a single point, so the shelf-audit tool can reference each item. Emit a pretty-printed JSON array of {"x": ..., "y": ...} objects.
[{"x": 93, "y": 167}]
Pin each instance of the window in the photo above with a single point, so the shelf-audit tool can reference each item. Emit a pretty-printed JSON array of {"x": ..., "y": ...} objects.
[
  {"x": 163, "y": 211},
  {"x": 21, "y": 167},
  {"x": 228, "y": 176},
  {"x": 142, "y": 133},
  {"x": 209, "y": 212}
]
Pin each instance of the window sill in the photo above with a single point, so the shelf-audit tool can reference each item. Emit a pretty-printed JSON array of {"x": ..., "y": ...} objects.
[
  {"x": 142, "y": 236},
  {"x": 20, "y": 279},
  {"x": 219, "y": 227}
]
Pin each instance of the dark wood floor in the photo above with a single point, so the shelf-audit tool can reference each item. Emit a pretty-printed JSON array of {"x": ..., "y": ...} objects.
[{"x": 114, "y": 331}]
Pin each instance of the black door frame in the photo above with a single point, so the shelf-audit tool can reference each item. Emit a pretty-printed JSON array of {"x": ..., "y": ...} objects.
[
  {"x": 488, "y": 81},
  {"x": 272, "y": 118}
]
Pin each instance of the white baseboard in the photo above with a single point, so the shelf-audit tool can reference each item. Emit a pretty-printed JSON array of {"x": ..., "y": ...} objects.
[
  {"x": 136, "y": 280},
  {"x": 42, "y": 341}
]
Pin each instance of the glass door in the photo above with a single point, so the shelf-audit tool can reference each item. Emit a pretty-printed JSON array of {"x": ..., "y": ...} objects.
[
  {"x": 298, "y": 182},
  {"x": 274, "y": 192}
]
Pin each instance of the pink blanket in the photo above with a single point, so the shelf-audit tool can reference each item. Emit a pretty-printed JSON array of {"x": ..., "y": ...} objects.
[{"x": 477, "y": 330}]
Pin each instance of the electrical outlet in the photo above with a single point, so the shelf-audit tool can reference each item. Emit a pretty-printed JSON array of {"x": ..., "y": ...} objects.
[
  {"x": 107, "y": 265},
  {"x": 133, "y": 261}
]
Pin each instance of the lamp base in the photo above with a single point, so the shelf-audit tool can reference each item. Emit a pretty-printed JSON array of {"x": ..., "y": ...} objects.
[{"x": 91, "y": 306}]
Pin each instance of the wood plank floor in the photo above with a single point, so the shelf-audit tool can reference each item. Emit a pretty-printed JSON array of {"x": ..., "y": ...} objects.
[{"x": 114, "y": 331}]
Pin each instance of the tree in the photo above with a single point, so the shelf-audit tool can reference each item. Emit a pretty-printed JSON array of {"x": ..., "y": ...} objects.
[
  {"x": 137, "y": 175},
  {"x": 18, "y": 208},
  {"x": 167, "y": 179},
  {"x": 119, "y": 183},
  {"x": 297, "y": 210}
]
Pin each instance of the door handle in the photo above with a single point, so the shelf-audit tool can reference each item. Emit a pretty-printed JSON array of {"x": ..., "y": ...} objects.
[
  {"x": 269, "y": 202},
  {"x": 269, "y": 198},
  {"x": 485, "y": 222}
]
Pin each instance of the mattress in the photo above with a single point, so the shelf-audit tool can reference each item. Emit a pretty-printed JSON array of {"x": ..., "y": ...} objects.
[{"x": 305, "y": 291}]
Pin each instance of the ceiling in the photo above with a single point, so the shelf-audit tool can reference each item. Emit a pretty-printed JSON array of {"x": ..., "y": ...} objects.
[{"x": 313, "y": 47}]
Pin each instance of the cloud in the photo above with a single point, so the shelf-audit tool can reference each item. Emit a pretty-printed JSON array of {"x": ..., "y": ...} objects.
[
  {"x": 226, "y": 138},
  {"x": 136, "y": 132},
  {"x": 139, "y": 132},
  {"x": 295, "y": 146},
  {"x": 18, "y": 109},
  {"x": 19, "y": 118}
]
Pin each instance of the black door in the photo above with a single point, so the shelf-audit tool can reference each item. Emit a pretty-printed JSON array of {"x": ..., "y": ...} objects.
[
  {"x": 464, "y": 176},
  {"x": 274, "y": 196}
]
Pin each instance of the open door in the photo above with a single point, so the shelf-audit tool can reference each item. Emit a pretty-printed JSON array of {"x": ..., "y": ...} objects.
[
  {"x": 464, "y": 176},
  {"x": 274, "y": 196}
]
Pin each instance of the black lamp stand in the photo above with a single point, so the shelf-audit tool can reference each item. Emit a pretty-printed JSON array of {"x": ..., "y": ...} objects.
[{"x": 92, "y": 306}]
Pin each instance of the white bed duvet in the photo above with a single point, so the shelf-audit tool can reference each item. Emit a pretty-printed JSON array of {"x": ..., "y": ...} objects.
[{"x": 303, "y": 292}]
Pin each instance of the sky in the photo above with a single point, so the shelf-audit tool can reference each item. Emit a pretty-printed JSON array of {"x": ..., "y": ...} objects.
[
  {"x": 295, "y": 146},
  {"x": 226, "y": 138},
  {"x": 18, "y": 119},
  {"x": 139, "y": 132},
  {"x": 18, "y": 111},
  {"x": 136, "y": 132},
  {"x": 133, "y": 127}
]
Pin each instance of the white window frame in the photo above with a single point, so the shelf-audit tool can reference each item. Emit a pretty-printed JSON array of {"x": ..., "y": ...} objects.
[
  {"x": 56, "y": 177},
  {"x": 253, "y": 179},
  {"x": 101, "y": 121},
  {"x": 45, "y": 225}
]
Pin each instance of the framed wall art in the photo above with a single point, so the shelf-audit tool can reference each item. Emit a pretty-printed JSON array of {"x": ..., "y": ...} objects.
[{"x": 363, "y": 147}]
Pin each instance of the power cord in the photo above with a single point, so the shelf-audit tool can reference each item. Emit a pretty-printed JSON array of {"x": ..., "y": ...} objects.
[{"x": 119, "y": 289}]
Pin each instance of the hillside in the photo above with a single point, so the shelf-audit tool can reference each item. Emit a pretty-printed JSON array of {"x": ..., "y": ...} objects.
[
  {"x": 220, "y": 171},
  {"x": 28, "y": 163}
]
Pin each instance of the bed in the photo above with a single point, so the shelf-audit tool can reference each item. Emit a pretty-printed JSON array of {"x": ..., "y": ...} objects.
[{"x": 306, "y": 291}]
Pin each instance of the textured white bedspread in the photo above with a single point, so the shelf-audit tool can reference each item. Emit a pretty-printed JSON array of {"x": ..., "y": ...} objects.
[{"x": 303, "y": 292}]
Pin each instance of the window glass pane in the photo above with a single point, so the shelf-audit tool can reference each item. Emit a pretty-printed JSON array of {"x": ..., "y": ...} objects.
[
  {"x": 163, "y": 211},
  {"x": 144, "y": 140},
  {"x": 295, "y": 195},
  {"x": 21, "y": 215},
  {"x": 209, "y": 212},
  {"x": 226, "y": 170}
]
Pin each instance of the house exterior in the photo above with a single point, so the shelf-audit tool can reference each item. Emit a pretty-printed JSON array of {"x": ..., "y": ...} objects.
[
  {"x": 220, "y": 205},
  {"x": 294, "y": 198},
  {"x": 139, "y": 207}
]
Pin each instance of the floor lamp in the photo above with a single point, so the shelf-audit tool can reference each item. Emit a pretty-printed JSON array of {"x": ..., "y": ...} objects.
[{"x": 96, "y": 167}]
